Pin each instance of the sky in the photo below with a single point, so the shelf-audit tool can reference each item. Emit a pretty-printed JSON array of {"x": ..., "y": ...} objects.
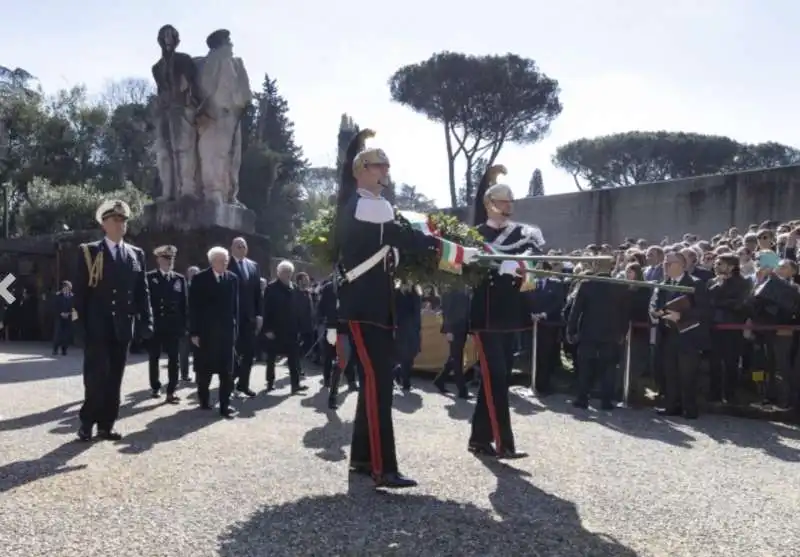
[{"x": 711, "y": 66}]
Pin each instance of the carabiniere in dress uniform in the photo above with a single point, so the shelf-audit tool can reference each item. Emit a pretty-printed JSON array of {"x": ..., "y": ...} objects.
[
  {"x": 168, "y": 298},
  {"x": 369, "y": 242}
]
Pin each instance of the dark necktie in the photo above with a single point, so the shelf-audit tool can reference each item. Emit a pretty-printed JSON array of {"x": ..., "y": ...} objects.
[{"x": 117, "y": 254}]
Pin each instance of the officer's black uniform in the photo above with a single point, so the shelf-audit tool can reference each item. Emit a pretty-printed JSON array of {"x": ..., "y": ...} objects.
[
  {"x": 599, "y": 320},
  {"x": 111, "y": 296},
  {"x": 170, "y": 313},
  {"x": 365, "y": 226},
  {"x": 494, "y": 313}
]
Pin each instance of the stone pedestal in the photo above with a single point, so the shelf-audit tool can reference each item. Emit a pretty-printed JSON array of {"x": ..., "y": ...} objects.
[
  {"x": 192, "y": 214},
  {"x": 194, "y": 226}
]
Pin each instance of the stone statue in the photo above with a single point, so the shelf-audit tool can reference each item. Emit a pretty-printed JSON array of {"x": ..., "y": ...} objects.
[
  {"x": 176, "y": 134},
  {"x": 225, "y": 89}
]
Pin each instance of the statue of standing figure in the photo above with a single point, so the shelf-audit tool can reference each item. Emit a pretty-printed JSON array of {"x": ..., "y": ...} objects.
[
  {"x": 226, "y": 92},
  {"x": 201, "y": 104},
  {"x": 176, "y": 133}
]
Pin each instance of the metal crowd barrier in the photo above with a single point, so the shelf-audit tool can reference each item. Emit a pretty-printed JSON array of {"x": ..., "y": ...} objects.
[{"x": 626, "y": 376}]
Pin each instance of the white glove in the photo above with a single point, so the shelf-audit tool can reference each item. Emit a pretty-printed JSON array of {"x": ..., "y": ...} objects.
[
  {"x": 330, "y": 336},
  {"x": 471, "y": 255},
  {"x": 509, "y": 268}
]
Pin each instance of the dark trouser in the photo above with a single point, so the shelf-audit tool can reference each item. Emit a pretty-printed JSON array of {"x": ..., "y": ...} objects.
[
  {"x": 225, "y": 387},
  {"x": 186, "y": 348},
  {"x": 62, "y": 336},
  {"x": 681, "y": 365},
  {"x": 346, "y": 362},
  {"x": 726, "y": 348},
  {"x": 287, "y": 346},
  {"x": 598, "y": 362},
  {"x": 776, "y": 353},
  {"x": 245, "y": 351},
  {"x": 104, "y": 363},
  {"x": 403, "y": 370},
  {"x": 492, "y": 418},
  {"x": 547, "y": 352},
  {"x": 373, "y": 433},
  {"x": 640, "y": 363},
  {"x": 168, "y": 343},
  {"x": 455, "y": 362},
  {"x": 306, "y": 342}
]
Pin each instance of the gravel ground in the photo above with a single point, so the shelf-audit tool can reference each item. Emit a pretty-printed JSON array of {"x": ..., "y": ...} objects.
[{"x": 274, "y": 481}]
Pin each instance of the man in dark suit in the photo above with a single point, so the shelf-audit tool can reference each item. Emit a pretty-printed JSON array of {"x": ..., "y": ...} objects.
[
  {"x": 213, "y": 314},
  {"x": 598, "y": 323},
  {"x": 65, "y": 308},
  {"x": 250, "y": 318},
  {"x": 170, "y": 312},
  {"x": 111, "y": 296},
  {"x": 455, "y": 324},
  {"x": 186, "y": 347},
  {"x": 282, "y": 326},
  {"x": 683, "y": 336}
]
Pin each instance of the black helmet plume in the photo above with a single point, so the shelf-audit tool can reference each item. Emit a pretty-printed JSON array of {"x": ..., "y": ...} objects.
[
  {"x": 489, "y": 179},
  {"x": 347, "y": 184}
]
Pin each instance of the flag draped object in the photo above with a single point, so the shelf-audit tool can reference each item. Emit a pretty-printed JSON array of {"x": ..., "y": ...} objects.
[{"x": 451, "y": 254}]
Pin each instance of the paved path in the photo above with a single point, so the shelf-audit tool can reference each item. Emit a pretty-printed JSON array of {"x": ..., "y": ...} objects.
[{"x": 274, "y": 482}]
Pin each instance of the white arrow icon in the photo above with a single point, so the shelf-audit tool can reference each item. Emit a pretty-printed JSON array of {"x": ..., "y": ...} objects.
[{"x": 5, "y": 289}]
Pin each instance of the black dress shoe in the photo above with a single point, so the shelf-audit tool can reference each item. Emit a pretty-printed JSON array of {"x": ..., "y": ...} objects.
[
  {"x": 440, "y": 385},
  {"x": 205, "y": 406},
  {"x": 482, "y": 449},
  {"x": 511, "y": 455},
  {"x": 108, "y": 435},
  {"x": 155, "y": 393},
  {"x": 690, "y": 415},
  {"x": 464, "y": 395},
  {"x": 186, "y": 379},
  {"x": 299, "y": 389},
  {"x": 607, "y": 405},
  {"x": 394, "y": 480},
  {"x": 85, "y": 434},
  {"x": 226, "y": 413},
  {"x": 352, "y": 387},
  {"x": 670, "y": 412},
  {"x": 173, "y": 399},
  {"x": 249, "y": 392},
  {"x": 270, "y": 387},
  {"x": 332, "y": 404},
  {"x": 581, "y": 403}
]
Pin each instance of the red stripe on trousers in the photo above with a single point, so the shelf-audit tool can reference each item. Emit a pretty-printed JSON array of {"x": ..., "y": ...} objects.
[
  {"x": 487, "y": 391},
  {"x": 371, "y": 394}
]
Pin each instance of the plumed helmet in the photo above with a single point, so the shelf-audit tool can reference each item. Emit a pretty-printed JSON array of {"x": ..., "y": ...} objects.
[
  {"x": 353, "y": 155},
  {"x": 489, "y": 187}
]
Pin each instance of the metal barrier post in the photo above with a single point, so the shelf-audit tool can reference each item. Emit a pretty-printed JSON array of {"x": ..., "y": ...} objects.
[
  {"x": 534, "y": 351},
  {"x": 626, "y": 376}
]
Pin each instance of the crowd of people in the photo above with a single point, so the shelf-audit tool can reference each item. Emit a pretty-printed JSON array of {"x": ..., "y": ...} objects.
[{"x": 725, "y": 308}]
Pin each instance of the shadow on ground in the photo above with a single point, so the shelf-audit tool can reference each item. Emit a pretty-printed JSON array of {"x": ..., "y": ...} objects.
[
  {"x": 364, "y": 522},
  {"x": 643, "y": 424}
]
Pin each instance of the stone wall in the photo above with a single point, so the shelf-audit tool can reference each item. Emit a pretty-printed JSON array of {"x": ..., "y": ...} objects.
[{"x": 705, "y": 206}]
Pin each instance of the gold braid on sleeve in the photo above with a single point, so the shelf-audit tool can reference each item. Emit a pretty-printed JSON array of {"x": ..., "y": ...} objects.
[{"x": 95, "y": 268}]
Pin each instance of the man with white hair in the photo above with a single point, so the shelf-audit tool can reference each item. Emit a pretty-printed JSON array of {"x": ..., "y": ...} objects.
[
  {"x": 281, "y": 326},
  {"x": 213, "y": 314}
]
